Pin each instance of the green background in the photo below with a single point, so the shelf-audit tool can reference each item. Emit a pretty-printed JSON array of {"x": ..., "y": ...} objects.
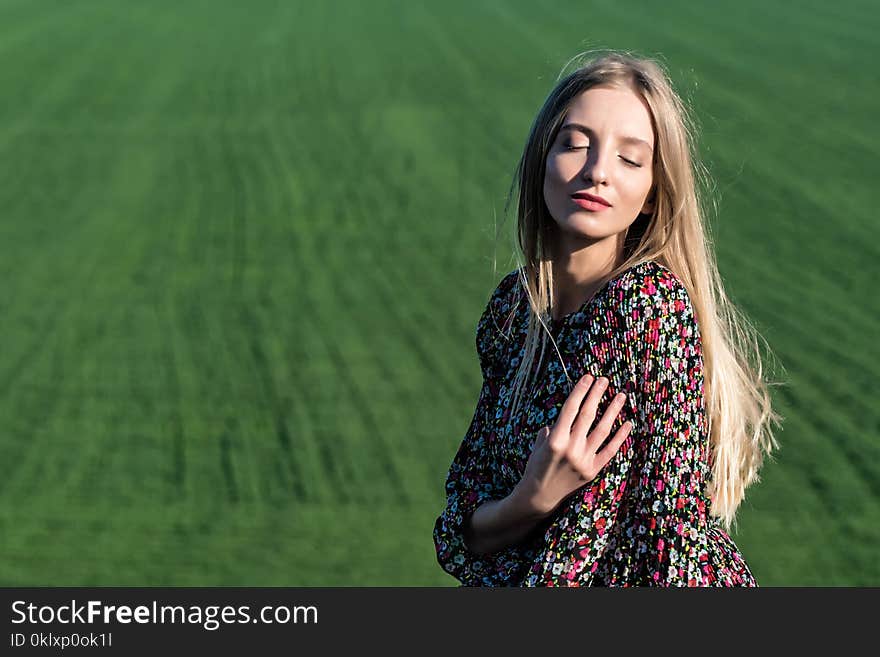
[{"x": 244, "y": 248}]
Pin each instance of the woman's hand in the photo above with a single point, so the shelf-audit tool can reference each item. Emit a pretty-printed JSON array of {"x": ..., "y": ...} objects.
[{"x": 564, "y": 458}]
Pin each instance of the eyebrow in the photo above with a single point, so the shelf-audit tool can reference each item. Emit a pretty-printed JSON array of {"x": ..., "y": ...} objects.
[{"x": 587, "y": 131}]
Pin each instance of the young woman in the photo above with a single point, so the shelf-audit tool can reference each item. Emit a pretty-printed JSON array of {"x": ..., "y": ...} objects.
[{"x": 618, "y": 313}]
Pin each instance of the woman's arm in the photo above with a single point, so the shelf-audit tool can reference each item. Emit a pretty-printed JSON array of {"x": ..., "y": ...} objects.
[
  {"x": 498, "y": 524},
  {"x": 470, "y": 484},
  {"x": 668, "y": 514},
  {"x": 472, "y": 481},
  {"x": 563, "y": 460}
]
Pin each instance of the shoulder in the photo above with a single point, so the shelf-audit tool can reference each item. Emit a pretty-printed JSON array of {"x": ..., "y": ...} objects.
[
  {"x": 651, "y": 290},
  {"x": 503, "y": 302},
  {"x": 655, "y": 312},
  {"x": 497, "y": 322}
]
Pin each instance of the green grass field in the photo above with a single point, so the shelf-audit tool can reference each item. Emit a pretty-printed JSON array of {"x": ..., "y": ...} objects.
[{"x": 244, "y": 248}]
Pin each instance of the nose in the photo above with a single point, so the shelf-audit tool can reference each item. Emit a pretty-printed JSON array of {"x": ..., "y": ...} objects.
[{"x": 595, "y": 167}]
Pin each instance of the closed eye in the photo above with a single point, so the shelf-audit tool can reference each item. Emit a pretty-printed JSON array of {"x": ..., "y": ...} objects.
[{"x": 629, "y": 162}]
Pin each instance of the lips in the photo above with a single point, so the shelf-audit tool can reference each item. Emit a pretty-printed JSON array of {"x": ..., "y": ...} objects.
[
  {"x": 590, "y": 206},
  {"x": 590, "y": 197}
]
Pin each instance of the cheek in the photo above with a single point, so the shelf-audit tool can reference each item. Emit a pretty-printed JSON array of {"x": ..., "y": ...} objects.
[
  {"x": 557, "y": 167},
  {"x": 555, "y": 175},
  {"x": 547, "y": 192},
  {"x": 554, "y": 190},
  {"x": 637, "y": 189},
  {"x": 550, "y": 178}
]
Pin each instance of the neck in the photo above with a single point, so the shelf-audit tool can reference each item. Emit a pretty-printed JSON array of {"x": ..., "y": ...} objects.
[{"x": 580, "y": 268}]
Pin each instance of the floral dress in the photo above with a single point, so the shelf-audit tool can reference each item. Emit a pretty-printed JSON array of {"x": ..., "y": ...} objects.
[{"x": 644, "y": 520}]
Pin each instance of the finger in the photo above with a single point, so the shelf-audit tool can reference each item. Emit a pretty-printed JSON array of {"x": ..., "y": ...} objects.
[
  {"x": 614, "y": 444},
  {"x": 602, "y": 428},
  {"x": 587, "y": 413},
  {"x": 543, "y": 432},
  {"x": 573, "y": 403},
  {"x": 592, "y": 464}
]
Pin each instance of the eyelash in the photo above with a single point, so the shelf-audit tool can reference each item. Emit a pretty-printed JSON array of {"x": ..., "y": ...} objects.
[{"x": 629, "y": 162}]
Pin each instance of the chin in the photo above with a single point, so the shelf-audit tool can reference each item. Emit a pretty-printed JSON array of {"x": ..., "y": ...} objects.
[{"x": 588, "y": 228}]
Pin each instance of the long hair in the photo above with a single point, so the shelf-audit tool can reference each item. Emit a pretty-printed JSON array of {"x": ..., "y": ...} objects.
[{"x": 738, "y": 403}]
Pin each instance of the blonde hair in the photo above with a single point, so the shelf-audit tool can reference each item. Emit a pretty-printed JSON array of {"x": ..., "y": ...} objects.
[{"x": 738, "y": 404}]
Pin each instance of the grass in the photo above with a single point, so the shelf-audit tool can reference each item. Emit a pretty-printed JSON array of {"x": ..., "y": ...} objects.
[{"x": 244, "y": 250}]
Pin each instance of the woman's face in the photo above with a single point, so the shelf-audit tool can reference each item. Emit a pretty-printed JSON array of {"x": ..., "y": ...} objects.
[{"x": 604, "y": 148}]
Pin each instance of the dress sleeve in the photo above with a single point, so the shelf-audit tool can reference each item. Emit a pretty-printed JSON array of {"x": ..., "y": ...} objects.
[
  {"x": 666, "y": 542},
  {"x": 473, "y": 477}
]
